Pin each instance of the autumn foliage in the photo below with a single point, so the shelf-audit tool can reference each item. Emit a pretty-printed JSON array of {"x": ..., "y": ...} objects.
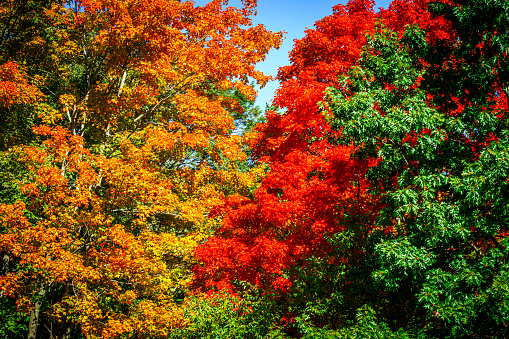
[
  {"x": 129, "y": 148},
  {"x": 370, "y": 202},
  {"x": 312, "y": 187}
]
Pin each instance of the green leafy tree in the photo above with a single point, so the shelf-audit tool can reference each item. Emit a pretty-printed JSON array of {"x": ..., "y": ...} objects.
[{"x": 434, "y": 115}]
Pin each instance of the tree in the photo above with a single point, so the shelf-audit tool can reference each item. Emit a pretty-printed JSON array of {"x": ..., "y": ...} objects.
[
  {"x": 132, "y": 146},
  {"x": 260, "y": 239},
  {"x": 305, "y": 235},
  {"x": 433, "y": 112}
]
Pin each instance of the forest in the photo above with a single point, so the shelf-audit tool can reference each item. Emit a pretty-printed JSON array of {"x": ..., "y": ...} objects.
[{"x": 143, "y": 194}]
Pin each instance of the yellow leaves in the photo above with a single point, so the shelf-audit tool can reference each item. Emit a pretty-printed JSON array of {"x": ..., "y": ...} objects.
[
  {"x": 134, "y": 99},
  {"x": 170, "y": 244},
  {"x": 67, "y": 100},
  {"x": 157, "y": 320},
  {"x": 148, "y": 318},
  {"x": 129, "y": 262},
  {"x": 48, "y": 114},
  {"x": 87, "y": 312},
  {"x": 128, "y": 297}
]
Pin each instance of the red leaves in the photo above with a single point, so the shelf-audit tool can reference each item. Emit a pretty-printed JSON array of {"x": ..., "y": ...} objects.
[
  {"x": 311, "y": 185},
  {"x": 402, "y": 13},
  {"x": 258, "y": 260},
  {"x": 299, "y": 201}
]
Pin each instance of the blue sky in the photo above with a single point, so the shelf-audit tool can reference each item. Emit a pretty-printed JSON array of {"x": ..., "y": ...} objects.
[{"x": 292, "y": 16}]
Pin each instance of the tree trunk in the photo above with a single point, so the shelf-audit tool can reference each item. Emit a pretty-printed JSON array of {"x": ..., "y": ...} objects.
[
  {"x": 68, "y": 326},
  {"x": 34, "y": 315},
  {"x": 68, "y": 331},
  {"x": 5, "y": 263}
]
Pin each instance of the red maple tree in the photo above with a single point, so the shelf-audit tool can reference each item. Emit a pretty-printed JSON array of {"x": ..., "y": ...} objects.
[{"x": 310, "y": 185}]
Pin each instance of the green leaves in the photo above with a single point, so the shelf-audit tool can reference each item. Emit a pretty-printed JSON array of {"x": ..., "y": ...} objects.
[
  {"x": 432, "y": 119},
  {"x": 225, "y": 315},
  {"x": 399, "y": 259}
]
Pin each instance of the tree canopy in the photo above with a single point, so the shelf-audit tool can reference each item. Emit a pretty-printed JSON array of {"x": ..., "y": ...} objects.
[
  {"x": 143, "y": 196},
  {"x": 118, "y": 143}
]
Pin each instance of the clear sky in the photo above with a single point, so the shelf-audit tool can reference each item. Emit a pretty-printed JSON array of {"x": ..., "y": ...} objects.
[{"x": 292, "y": 16}]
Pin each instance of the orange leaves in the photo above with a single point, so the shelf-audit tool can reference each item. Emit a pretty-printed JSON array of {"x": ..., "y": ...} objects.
[
  {"x": 8, "y": 93},
  {"x": 15, "y": 88},
  {"x": 38, "y": 246},
  {"x": 13, "y": 214},
  {"x": 60, "y": 155},
  {"x": 164, "y": 62},
  {"x": 60, "y": 143},
  {"x": 135, "y": 150},
  {"x": 203, "y": 114},
  {"x": 230, "y": 147},
  {"x": 70, "y": 237}
]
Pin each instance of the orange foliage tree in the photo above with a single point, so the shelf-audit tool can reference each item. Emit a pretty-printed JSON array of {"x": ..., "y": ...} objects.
[{"x": 131, "y": 147}]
